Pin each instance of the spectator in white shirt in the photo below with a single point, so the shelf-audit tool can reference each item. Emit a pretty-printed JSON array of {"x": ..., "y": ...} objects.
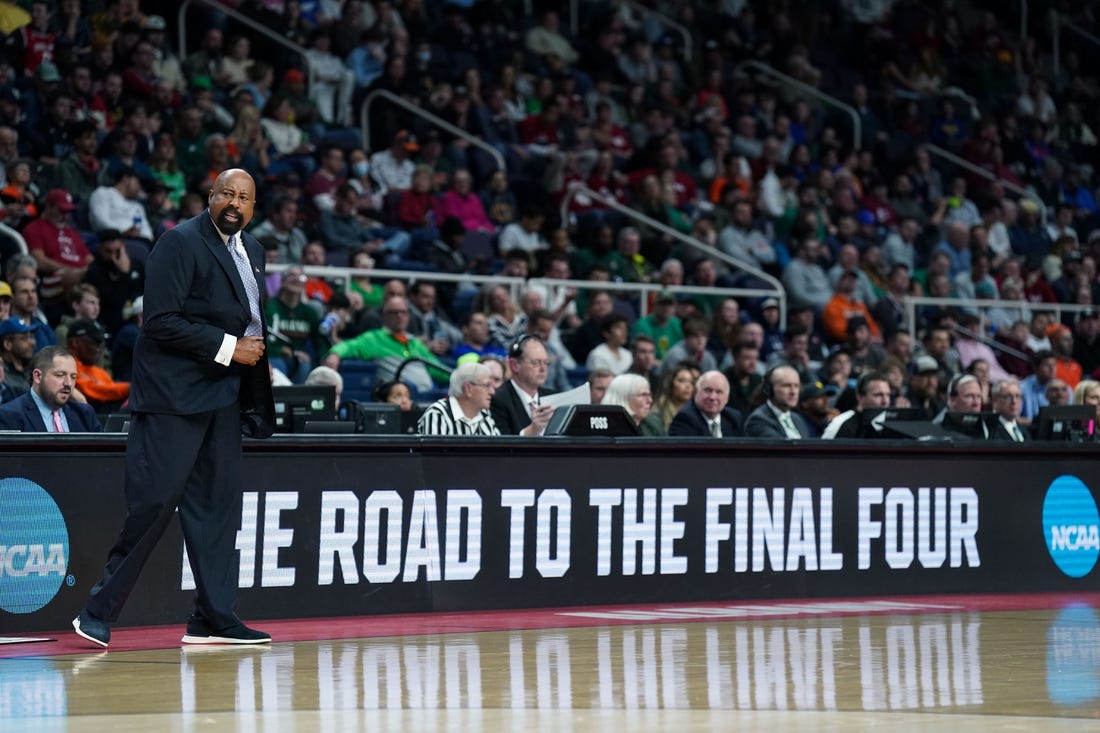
[
  {"x": 117, "y": 207},
  {"x": 525, "y": 234}
]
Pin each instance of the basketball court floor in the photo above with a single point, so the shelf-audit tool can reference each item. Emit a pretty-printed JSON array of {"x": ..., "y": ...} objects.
[{"x": 959, "y": 663}]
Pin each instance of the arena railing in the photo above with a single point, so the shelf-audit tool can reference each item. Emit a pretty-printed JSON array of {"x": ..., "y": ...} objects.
[
  {"x": 242, "y": 19},
  {"x": 364, "y": 119},
  {"x": 912, "y": 303},
  {"x": 1008, "y": 185},
  {"x": 1058, "y": 21},
  {"x": 777, "y": 290},
  {"x": 810, "y": 91},
  {"x": 343, "y": 276},
  {"x": 679, "y": 28}
]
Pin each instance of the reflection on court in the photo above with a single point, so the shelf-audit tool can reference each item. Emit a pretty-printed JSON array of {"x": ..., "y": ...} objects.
[{"x": 1034, "y": 663}]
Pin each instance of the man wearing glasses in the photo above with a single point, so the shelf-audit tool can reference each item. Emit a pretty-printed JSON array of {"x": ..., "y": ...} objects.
[
  {"x": 516, "y": 407},
  {"x": 1008, "y": 400},
  {"x": 465, "y": 409}
]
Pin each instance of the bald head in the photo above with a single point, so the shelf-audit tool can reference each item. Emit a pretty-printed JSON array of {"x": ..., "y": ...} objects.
[{"x": 232, "y": 200}]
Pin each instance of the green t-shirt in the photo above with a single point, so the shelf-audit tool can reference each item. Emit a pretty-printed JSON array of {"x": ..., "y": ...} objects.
[{"x": 664, "y": 336}]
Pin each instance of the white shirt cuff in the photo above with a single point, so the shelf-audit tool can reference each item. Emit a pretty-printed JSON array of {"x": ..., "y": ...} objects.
[{"x": 225, "y": 353}]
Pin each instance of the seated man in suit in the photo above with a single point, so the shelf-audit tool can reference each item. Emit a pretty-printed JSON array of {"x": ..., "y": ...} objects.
[
  {"x": 1008, "y": 401},
  {"x": 47, "y": 407},
  {"x": 707, "y": 413},
  {"x": 515, "y": 406},
  {"x": 872, "y": 390},
  {"x": 776, "y": 418}
]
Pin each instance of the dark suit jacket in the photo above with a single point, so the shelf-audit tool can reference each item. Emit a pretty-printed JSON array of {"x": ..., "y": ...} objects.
[
  {"x": 193, "y": 297},
  {"x": 763, "y": 423},
  {"x": 1001, "y": 433},
  {"x": 22, "y": 414},
  {"x": 690, "y": 421},
  {"x": 508, "y": 410}
]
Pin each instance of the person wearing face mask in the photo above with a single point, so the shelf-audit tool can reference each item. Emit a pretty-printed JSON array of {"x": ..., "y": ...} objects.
[{"x": 370, "y": 196}]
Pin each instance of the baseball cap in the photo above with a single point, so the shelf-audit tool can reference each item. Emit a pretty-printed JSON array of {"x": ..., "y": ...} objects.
[
  {"x": 924, "y": 364},
  {"x": 5, "y": 290},
  {"x": 86, "y": 327},
  {"x": 769, "y": 303},
  {"x": 665, "y": 296},
  {"x": 293, "y": 75},
  {"x": 407, "y": 139},
  {"x": 10, "y": 326},
  {"x": 61, "y": 198},
  {"x": 155, "y": 23},
  {"x": 811, "y": 390}
]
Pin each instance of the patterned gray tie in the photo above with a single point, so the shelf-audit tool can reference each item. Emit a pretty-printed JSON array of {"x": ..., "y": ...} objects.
[
  {"x": 251, "y": 289},
  {"x": 789, "y": 426}
]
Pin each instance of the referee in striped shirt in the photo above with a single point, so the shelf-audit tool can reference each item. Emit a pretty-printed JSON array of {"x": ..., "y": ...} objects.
[{"x": 465, "y": 409}]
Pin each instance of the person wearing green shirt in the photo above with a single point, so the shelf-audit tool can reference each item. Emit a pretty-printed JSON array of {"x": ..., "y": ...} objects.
[
  {"x": 660, "y": 325},
  {"x": 390, "y": 346},
  {"x": 294, "y": 338}
]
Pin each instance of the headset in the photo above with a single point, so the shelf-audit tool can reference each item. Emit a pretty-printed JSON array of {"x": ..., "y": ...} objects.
[
  {"x": 515, "y": 351},
  {"x": 766, "y": 387},
  {"x": 957, "y": 381}
]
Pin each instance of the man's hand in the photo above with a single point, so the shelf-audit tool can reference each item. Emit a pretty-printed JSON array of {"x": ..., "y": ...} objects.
[
  {"x": 539, "y": 417},
  {"x": 248, "y": 350},
  {"x": 121, "y": 258}
]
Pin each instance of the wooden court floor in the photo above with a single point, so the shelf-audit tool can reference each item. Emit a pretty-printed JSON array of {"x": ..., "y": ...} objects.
[{"x": 955, "y": 668}]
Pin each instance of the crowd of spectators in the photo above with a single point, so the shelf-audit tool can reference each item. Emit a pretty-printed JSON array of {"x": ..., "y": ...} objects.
[{"x": 110, "y": 134}]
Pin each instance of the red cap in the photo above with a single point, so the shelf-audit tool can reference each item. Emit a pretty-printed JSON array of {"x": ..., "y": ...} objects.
[
  {"x": 61, "y": 198},
  {"x": 294, "y": 75}
]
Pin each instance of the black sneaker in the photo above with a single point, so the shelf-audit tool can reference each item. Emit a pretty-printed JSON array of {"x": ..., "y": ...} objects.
[
  {"x": 92, "y": 629},
  {"x": 199, "y": 633}
]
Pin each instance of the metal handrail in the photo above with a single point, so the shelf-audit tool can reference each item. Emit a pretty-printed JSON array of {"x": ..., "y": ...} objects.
[
  {"x": 574, "y": 22},
  {"x": 857, "y": 124},
  {"x": 991, "y": 343},
  {"x": 243, "y": 19},
  {"x": 1008, "y": 185},
  {"x": 1057, "y": 22},
  {"x": 364, "y": 114},
  {"x": 779, "y": 292},
  {"x": 912, "y": 302},
  {"x": 515, "y": 285},
  {"x": 646, "y": 288}
]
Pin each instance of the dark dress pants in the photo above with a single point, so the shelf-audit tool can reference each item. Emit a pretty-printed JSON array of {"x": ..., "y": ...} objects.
[{"x": 191, "y": 462}]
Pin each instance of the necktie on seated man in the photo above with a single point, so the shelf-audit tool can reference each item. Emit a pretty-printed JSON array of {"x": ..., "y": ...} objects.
[
  {"x": 1016, "y": 434},
  {"x": 251, "y": 289},
  {"x": 716, "y": 429},
  {"x": 58, "y": 426},
  {"x": 788, "y": 426}
]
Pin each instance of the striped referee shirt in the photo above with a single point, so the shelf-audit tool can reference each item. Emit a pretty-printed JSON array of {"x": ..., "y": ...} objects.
[{"x": 445, "y": 417}]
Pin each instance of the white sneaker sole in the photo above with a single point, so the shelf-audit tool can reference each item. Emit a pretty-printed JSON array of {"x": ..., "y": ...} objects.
[
  {"x": 76, "y": 626},
  {"x": 189, "y": 639}
]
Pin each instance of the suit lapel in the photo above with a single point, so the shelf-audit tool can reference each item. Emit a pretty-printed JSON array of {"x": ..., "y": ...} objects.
[
  {"x": 34, "y": 417},
  {"x": 213, "y": 241}
]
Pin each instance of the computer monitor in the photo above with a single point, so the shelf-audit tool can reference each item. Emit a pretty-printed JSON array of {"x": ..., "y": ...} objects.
[
  {"x": 375, "y": 418},
  {"x": 588, "y": 420},
  {"x": 295, "y": 405},
  {"x": 875, "y": 421},
  {"x": 1072, "y": 423},
  {"x": 973, "y": 425}
]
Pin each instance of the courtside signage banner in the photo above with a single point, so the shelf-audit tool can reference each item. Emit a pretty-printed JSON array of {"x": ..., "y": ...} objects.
[{"x": 352, "y": 533}]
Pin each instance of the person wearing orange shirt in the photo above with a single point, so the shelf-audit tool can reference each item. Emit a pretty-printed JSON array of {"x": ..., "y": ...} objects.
[
  {"x": 86, "y": 339},
  {"x": 1066, "y": 367},
  {"x": 841, "y": 308}
]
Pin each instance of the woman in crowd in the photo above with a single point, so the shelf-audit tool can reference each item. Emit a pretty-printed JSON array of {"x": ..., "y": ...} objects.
[
  {"x": 1087, "y": 392},
  {"x": 677, "y": 389},
  {"x": 632, "y": 393}
]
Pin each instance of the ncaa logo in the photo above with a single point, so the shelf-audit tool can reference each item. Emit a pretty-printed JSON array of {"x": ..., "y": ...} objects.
[
  {"x": 1071, "y": 524},
  {"x": 34, "y": 546}
]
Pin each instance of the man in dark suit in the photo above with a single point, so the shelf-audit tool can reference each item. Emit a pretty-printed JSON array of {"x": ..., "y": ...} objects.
[
  {"x": 47, "y": 407},
  {"x": 200, "y": 379},
  {"x": 1008, "y": 400},
  {"x": 776, "y": 418},
  {"x": 515, "y": 406},
  {"x": 707, "y": 413}
]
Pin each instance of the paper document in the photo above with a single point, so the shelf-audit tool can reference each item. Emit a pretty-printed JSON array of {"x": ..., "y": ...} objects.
[{"x": 577, "y": 396}]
